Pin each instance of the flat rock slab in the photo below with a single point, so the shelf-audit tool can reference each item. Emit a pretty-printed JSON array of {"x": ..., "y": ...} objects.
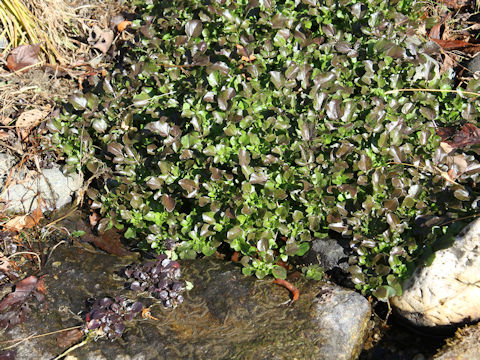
[
  {"x": 225, "y": 316},
  {"x": 447, "y": 292},
  {"x": 26, "y": 187}
]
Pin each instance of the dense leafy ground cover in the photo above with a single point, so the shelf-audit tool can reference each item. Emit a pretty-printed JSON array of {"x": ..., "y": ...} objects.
[{"x": 265, "y": 124}]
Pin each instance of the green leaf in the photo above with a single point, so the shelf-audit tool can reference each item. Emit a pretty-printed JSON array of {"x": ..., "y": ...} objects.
[
  {"x": 302, "y": 249},
  {"x": 279, "y": 272},
  {"x": 130, "y": 233}
]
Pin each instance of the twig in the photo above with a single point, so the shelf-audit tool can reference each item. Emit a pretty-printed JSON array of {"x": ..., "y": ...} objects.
[
  {"x": 53, "y": 249},
  {"x": 42, "y": 335},
  {"x": 460, "y": 92},
  {"x": 17, "y": 72},
  {"x": 442, "y": 173},
  {"x": 462, "y": 218},
  {"x": 69, "y": 350},
  {"x": 19, "y": 342},
  {"x": 28, "y": 253}
]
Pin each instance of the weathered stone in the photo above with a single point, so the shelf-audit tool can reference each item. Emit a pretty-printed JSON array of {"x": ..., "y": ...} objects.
[
  {"x": 6, "y": 163},
  {"x": 463, "y": 346},
  {"x": 346, "y": 314},
  {"x": 474, "y": 64},
  {"x": 447, "y": 292},
  {"x": 52, "y": 186},
  {"x": 225, "y": 316},
  {"x": 328, "y": 253}
]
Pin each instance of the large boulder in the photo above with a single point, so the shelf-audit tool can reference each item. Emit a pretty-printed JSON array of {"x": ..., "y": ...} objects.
[
  {"x": 446, "y": 292},
  {"x": 225, "y": 316}
]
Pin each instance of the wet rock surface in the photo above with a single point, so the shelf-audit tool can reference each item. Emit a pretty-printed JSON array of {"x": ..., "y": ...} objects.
[
  {"x": 25, "y": 187},
  {"x": 446, "y": 292},
  {"x": 225, "y": 316}
]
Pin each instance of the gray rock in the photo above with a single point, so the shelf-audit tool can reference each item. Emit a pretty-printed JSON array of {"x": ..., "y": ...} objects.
[
  {"x": 463, "y": 346},
  {"x": 474, "y": 64},
  {"x": 6, "y": 163},
  {"x": 328, "y": 253},
  {"x": 52, "y": 186},
  {"x": 446, "y": 292},
  {"x": 225, "y": 316},
  {"x": 346, "y": 314}
]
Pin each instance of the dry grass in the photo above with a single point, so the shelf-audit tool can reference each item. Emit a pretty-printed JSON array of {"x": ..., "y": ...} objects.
[
  {"x": 61, "y": 28},
  {"x": 21, "y": 26},
  {"x": 54, "y": 24}
]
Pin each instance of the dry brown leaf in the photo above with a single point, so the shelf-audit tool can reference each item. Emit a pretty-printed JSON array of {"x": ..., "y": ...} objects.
[
  {"x": 68, "y": 338},
  {"x": 5, "y": 120},
  {"x": 109, "y": 241},
  {"x": 4, "y": 264},
  {"x": 21, "y": 222},
  {"x": 452, "y": 44},
  {"x": 448, "y": 63},
  {"x": 249, "y": 58},
  {"x": 446, "y": 147},
  {"x": 449, "y": 175},
  {"x": 123, "y": 25},
  {"x": 435, "y": 31},
  {"x": 101, "y": 39},
  {"x": 460, "y": 163},
  {"x": 4, "y": 135},
  {"x": 23, "y": 56},
  {"x": 28, "y": 120},
  {"x": 94, "y": 218}
]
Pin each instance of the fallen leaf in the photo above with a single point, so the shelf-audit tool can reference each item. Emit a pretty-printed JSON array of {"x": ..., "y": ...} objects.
[
  {"x": 447, "y": 175},
  {"x": 28, "y": 120},
  {"x": 21, "y": 222},
  {"x": 40, "y": 287},
  {"x": 448, "y": 63},
  {"x": 452, "y": 44},
  {"x": 435, "y": 31},
  {"x": 4, "y": 135},
  {"x": 146, "y": 314},
  {"x": 123, "y": 25},
  {"x": 101, "y": 39},
  {"x": 464, "y": 46},
  {"x": 23, "y": 56},
  {"x": 458, "y": 162},
  {"x": 109, "y": 241},
  {"x": 445, "y": 132},
  {"x": 22, "y": 291},
  {"x": 68, "y": 338},
  {"x": 5, "y": 265},
  {"x": 94, "y": 218},
  {"x": 5, "y": 120},
  {"x": 249, "y": 58},
  {"x": 446, "y": 147},
  {"x": 468, "y": 135}
]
